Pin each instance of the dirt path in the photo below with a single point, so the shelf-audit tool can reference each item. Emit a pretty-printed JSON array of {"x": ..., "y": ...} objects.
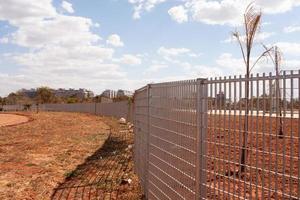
[
  {"x": 12, "y": 119},
  {"x": 107, "y": 174}
]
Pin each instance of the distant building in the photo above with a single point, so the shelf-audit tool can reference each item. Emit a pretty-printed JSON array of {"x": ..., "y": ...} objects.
[
  {"x": 122, "y": 93},
  {"x": 112, "y": 94},
  {"x": 80, "y": 93},
  {"x": 109, "y": 94}
]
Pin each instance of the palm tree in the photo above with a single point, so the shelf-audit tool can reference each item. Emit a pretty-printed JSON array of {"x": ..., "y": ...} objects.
[
  {"x": 252, "y": 19},
  {"x": 276, "y": 56}
]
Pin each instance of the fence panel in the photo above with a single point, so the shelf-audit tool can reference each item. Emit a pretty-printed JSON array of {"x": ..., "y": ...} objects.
[
  {"x": 173, "y": 140},
  {"x": 13, "y": 107},
  {"x": 223, "y": 138},
  {"x": 141, "y": 130},
  {"x": 116, "y": 109},
  {"x": 253, "y": 137}
]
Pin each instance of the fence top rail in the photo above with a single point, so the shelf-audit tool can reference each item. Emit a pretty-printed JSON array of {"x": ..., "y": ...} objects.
[
  {"x": 141, "y": 89},
  {"x": 258, "y": 77},
  {"x": 174, "y": 83}
]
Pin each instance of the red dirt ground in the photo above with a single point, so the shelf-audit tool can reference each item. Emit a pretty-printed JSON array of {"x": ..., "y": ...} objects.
[
  {"x": 12, "y": 119},
  {"x": 36, "y": 156},
  {"x": 67, "y": 156},
  {"x": 272, "y": 161}
]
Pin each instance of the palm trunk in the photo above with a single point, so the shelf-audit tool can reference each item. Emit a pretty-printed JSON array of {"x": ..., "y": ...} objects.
[
  {"x": 278, "y": 95},
  {"x": 245, "y": 134}
]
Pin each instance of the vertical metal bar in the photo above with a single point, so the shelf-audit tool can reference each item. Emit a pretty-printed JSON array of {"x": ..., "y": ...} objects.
[
  {"x": 263, "y": 136},
  {"x": 201, "y": 135},
  {"x": 234, "y": 136},
  {"x": 256, "y": 136},
  {"x": 298, "y": 134},
  {"x": 291, "y": 136},
  {"x": 204, "y": 121},
  {"x": 276, "y": 87},
  {"x": 284, "y": 132},
  {"x": 148, "y": 141},
  {"x": 219, "y": 102},
  {"x": 223, "y": 104},
  {"x": 211, "y": 139},
  {"x": 215, "y": 139},
  {"x": 240, "y": 131},
  {"x": 229, "y": 136},
  {"x": 251, "y": 135},
  {"x": 270, "y": 134}
]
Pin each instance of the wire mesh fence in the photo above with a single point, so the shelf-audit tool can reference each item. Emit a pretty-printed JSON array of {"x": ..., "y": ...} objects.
[
  {"x": 219, "y": 139},
  {"x": 115, "y": 109}
]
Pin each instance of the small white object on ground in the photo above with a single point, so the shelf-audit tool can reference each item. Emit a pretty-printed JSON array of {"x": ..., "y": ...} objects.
[
  {"x": 122, "y": 120},
  {"x": 129, "y": 181}
]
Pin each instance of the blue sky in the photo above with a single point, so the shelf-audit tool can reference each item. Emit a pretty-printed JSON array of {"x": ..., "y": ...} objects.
[{"x": 128, "y": 43}]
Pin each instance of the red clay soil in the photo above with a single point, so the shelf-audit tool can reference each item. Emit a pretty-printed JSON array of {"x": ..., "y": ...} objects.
[
  {"x": 36, "y": 156},
  {"x": 12, "y": 119},
  {"x": 107, "y": 174},
  {"x": 272, "y": 164}
]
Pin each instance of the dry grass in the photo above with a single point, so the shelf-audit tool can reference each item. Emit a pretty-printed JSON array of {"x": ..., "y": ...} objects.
[
  {"x": 107, "y": 174},
  {"x": 36, "y": 156}
]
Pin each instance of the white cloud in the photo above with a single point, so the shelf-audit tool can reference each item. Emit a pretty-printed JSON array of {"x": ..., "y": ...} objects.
[
  {"x": 140, "y": 6},
  {"x": 155, "y": 68},
  {"x": 179, "y": 14},
  {"x": 167, "y": 52},
  {"x": 236, "y": 65},
  {"x": 230, "y": 12},
  {"x": 232, "y": 65},
  {"x": 130, "y": 60},
  {"x": 56, "y": 56},
  {"x": 287, "y": 48},
  {"x": 67, "y": 7},
  {"x": 4, "y": 40},
  {"x": 26, "y": 11},
  {"x": 97, "y": 25},
  {"x": 115, "y": 40},
  {"x": 277, "y": 6},
  {"x": 291, "y": 29},
  {"x": 291, "y": 64},
  {"x": 260, "y": 36},
  {"x": 58, "y": 30}
]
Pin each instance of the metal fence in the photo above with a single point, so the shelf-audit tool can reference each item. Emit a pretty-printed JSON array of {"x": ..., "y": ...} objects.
[
  {"x": 222, "y": 138},
  {"x": 115, "y": 109}
]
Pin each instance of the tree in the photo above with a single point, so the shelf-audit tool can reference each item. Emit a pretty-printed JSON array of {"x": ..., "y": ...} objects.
[
  {"x": 44, "y": 95},
  {"x": 276, "y": 57},
  {"x": 252, "y": 19}
]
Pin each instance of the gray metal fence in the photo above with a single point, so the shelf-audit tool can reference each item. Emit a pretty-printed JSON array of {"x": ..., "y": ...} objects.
[
  {"x": 115, "y": 109},
  {"x": 219, "y": 139}
]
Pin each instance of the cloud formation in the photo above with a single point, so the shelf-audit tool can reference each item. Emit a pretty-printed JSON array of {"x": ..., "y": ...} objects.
[
  {"x": 56, "y": 56},
  {"x": 114, "y": 40},
  {"x": 67, "y": 7}
]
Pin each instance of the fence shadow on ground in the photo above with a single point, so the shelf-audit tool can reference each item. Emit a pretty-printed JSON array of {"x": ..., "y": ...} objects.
[{"x": 107, "y": 174}]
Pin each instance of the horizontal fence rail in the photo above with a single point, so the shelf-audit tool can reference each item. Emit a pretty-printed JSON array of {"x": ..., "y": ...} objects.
[{"x": 222, "y": 138}]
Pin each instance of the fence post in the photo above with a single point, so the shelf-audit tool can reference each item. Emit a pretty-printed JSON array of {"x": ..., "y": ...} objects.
[
  {"x": 147, "y": 142},
  {"x": 201, "y": 113}
]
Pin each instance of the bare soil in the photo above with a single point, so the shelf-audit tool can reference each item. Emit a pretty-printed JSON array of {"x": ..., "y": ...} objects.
[
  {"x": 12, "y": 119},
  {"x": 108, "y": 173},
  {"x": 36, "y": 156},
  {"x": 272, "y": 164}
]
